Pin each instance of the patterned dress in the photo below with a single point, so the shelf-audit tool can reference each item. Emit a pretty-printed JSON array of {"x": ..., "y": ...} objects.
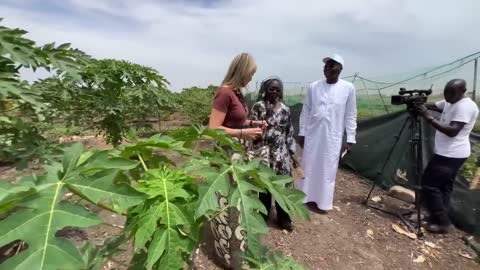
[{"x": 278, "y": 136}]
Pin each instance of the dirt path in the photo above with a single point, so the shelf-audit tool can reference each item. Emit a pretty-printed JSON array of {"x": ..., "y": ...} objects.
[{"x": 353, "y": 236}]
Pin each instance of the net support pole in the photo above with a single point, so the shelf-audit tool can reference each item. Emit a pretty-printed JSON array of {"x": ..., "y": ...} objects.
[{"x": 475, "y": 69}]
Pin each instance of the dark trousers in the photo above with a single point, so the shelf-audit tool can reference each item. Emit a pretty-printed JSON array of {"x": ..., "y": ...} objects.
[
  {"x": 437, "y": 185},
  {"x": 266, "y": 199}
]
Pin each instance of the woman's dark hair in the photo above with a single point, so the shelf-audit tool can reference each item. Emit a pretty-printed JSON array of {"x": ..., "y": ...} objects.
[{"x": 262, "y": 93}]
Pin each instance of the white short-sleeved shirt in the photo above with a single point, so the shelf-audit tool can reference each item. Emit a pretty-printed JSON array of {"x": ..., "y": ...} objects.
[{"x": 465, "y": 111}]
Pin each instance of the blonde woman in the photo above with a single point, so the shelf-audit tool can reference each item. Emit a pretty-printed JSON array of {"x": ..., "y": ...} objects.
[{"x": 230, "y": 113}]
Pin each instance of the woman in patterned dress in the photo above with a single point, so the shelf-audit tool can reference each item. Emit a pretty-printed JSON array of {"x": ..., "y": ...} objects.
[{"x": 278, "y": 137}]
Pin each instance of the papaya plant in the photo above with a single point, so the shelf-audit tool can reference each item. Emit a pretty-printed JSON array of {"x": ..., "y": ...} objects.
[
  {"x": 111, "y": 96},
  {"x": 21, "y": 107},
  {"x": 196, "y": 103},
  {"x": 166, "y": 204}
]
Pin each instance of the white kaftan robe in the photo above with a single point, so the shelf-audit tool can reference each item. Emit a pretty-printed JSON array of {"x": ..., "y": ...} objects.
[{"x": 328, "y": 111}]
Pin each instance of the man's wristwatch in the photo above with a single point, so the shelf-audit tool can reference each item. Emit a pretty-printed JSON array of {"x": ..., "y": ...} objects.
[{"x": 430, "y": 118}]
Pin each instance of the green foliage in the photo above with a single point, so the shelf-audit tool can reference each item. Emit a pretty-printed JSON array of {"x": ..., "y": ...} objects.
[
  {"x": 166, "y": 204},
  {"x": 476, "y": 128},
  {"x": 240, "y": 182},
  {"x": 21, "y": 108},
  {"x": 166, "y": 220},
  {"x": 109, "y": 97},
  {"x": 197, "y": 103},
  {"x": 471, "y": 164},
  {"x": 40, "y": 211}
]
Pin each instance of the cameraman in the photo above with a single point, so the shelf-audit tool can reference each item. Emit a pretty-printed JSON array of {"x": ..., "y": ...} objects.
[{"x": 452, "y": 148}]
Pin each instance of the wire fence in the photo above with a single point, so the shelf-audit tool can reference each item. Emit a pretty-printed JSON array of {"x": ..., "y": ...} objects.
[{"x": 374, "y": 94}]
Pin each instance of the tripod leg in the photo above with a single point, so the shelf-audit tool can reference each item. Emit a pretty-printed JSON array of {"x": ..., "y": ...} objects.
[
  {"x": 370, "y": 193},
  {"x": 397, "y": 138},
  {"x": 418, "y": 182},
  {"x": 416, "y": 153}
]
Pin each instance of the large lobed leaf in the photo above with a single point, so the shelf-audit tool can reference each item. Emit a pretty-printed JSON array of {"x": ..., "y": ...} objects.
[
  {"x": 214, "y": 182},
  {"x": 291, "y": 200},
  {"x": 18, "y": 48},
  {"x": 164, "y": 224},
  {"x": 232, "y": 181},
  {"x": 242, "y": 182},
  {"x": 197, "y": 133},
  {"x": 41, "y": 212},
  {"x": 245, "y": 198},
  {"x": 37, "y": 227},
  {"x": 24, "y": 51},
  {"x": 11, "y": 194},
  {"x": 167, "y": 245},
  {"x": 21, "y": 140}
]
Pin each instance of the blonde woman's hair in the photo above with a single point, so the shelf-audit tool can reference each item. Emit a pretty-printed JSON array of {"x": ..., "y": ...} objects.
[{"x": 242, "y": 66}]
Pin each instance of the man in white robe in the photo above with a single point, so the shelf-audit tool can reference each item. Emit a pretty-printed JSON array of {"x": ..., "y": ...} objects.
[{"x": 329, "y": 109}]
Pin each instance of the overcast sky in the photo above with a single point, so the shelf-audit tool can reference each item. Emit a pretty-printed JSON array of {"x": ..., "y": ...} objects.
[{"x": 191, "y": 42}]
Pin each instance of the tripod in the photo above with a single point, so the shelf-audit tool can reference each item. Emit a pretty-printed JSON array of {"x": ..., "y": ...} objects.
[{"x": 416, "y": 153}]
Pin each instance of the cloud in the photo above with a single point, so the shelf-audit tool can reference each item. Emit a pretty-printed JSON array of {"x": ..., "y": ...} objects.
[{"x": 192, "y": 41}]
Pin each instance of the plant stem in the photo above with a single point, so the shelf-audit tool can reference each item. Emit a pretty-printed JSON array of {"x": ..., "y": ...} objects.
[
  {"x": 196, "y": 147},
  {"x": 114, "y": 225},
  {"x": 143, "y": 162},
  {"x": 19, "y": 247},
  {"x": 221, "y": 211},
  {"x": 99, "y": 204}
]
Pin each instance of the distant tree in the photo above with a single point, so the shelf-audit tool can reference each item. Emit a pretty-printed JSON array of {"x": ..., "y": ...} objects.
[
  {"x": 196, "y": 103},
  {"x": 109, "y": 96},
  {"x": 22, "y": 108}
]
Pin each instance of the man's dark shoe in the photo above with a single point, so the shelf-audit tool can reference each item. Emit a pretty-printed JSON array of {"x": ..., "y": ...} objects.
[
  {"x": 312, "y": 206},
  {"x": 436, "y": 228}
]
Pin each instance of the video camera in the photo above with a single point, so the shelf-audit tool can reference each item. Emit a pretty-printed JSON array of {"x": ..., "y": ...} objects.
[{"x": 414, "y": 97}]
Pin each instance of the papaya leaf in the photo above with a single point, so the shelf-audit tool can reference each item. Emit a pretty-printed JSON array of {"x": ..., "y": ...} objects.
[
  {"x": 147, "y": 224},
  {"x": 245, "y": 197},
  {"x": 92, "y": 177},
  {"x": 165, "y": 246},
  {"x": 197, "y": 133},
  {"x": 161, "y": 222},
  {"x": 100, "y": 187},
  {"x": 91, "y": 256},
  {"x": 102, "y": 160},
  {"x": 235, "y": 182},
  {"x": 291, "y": 200},
  {"x": 64, "y": 58},
  {"x": 18, "y": 48},
  {"x": 152, "y": 150},
  {"x": 215, "y": 182},
  {"x": 42, "y": 212},
  {"x": 37, "y": 226},
  {"x": 71, "y": 156},
  {"x": 11, "y": 194}
]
